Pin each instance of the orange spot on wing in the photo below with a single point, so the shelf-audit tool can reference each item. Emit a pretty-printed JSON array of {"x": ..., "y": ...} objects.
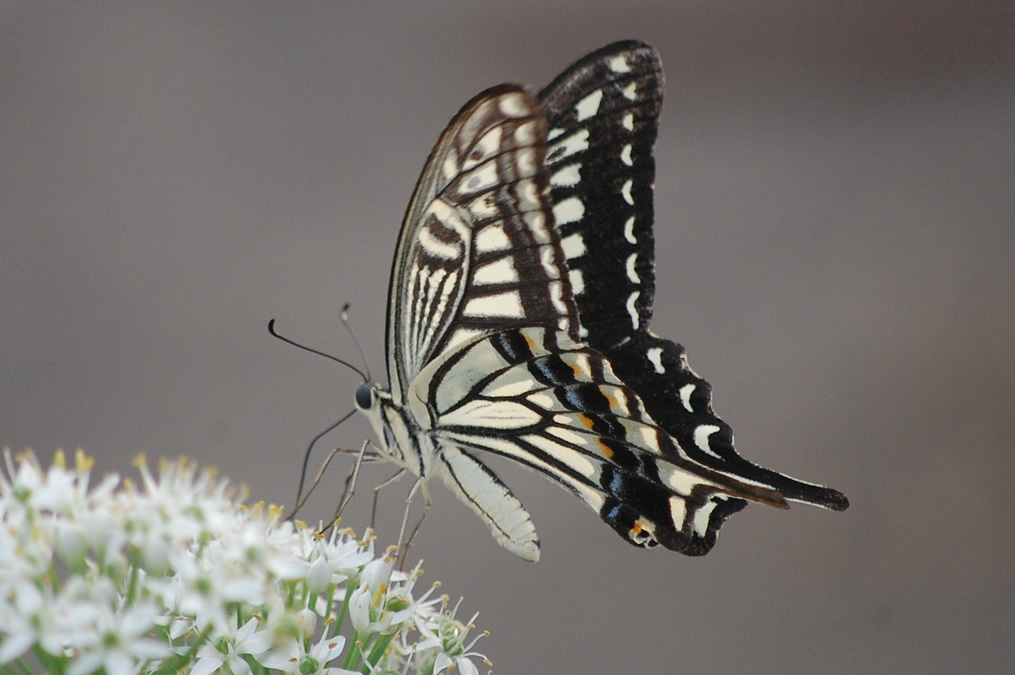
[
  {"x": 617, "y": 400},
  {"x": 533, "y": 345},
  {"x": 578, "y": 365}
]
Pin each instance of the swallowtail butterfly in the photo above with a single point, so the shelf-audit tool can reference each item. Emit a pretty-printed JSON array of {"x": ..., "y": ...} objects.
[{"x": 517, "y": 321}]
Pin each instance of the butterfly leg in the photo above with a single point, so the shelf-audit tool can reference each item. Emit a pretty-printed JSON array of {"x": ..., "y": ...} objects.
[
  {"x": 415, "y": 531},
  {"x": 420, "y": 483},
  {"x": 302, "y": 497},
  {"x": 377, "y": 493},
  {"x": 350, "y": 483}
]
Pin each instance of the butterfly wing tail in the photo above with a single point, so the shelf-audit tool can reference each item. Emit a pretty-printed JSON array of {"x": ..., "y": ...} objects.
[{"x": 680, "y": 401}]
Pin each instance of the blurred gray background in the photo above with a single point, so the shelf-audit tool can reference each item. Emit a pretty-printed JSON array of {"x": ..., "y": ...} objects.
[{"x": 835, "y": 228}]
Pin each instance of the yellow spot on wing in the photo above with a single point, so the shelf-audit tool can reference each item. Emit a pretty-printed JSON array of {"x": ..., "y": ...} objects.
[
  {"x": 533, "y": 345},
  {"x": 578, "y": 364}
]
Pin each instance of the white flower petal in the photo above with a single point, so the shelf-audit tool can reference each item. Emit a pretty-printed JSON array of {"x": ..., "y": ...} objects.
[
  {"x": 443, "y": 661},
  {"x": 207, "y": 664}
]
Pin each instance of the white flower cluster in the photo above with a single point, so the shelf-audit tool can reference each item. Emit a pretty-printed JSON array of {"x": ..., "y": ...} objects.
[{"x": 174, "y": 575}]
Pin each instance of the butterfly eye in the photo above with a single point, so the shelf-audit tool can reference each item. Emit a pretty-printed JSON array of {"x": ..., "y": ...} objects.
[{"x": 364, "y": 396}]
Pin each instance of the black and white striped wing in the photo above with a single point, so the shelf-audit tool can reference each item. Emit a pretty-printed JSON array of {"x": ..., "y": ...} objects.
[
  {"x": 603, "y": 116},
  {"x": 477, "y": 254},
  {"x": 518, "y": 314},
  {"x": 483, "y": 352},
  {"x": 477, "y": 251},
  {"x": 538, "y": 397}
]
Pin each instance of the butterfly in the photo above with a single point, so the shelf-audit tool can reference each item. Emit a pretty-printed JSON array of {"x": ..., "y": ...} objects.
[{"x": 517, "y": 323}]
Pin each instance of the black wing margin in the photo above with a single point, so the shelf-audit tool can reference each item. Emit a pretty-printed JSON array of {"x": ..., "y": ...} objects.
[
  {"x": 603, "y": 119},
  {"x": 602, "y": 114}
]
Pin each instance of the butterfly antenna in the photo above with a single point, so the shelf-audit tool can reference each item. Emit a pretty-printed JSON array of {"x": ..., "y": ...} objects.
[
  {"x": 359, "y": 346},
  {"x": 365, "y": 377},
  {"x": 306, "y": 461},
  {"x": 275, "y": 333}
]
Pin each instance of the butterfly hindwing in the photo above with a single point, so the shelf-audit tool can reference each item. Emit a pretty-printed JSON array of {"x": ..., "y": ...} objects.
[
  {"x": 681, "y": 402},
  {"x": 479, "y": 488},
  {"x": 538, "y": 397}
]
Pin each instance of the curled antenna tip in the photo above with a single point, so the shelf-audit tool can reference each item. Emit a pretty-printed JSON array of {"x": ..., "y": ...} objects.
[{"x": 275, "y": 333}]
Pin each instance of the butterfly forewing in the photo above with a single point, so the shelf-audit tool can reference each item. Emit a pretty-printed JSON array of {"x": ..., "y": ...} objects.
[
  {"x": 476, "y": 250},
  {"x": 603, "y": 116}
]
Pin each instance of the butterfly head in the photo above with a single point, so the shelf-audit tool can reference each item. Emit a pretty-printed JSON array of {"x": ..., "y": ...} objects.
[
  {"x": 396, "y": 430},
  {"x": 365, "y": 398},
  {"x": 368, "y": 399}
]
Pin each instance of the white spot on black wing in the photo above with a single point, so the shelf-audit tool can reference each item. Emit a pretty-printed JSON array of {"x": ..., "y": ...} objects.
[
  {"x": 573, "y": 245},
  {"x": 629, "y": 231},
  {"x": 589, "y": 106},
  {"x": 655, "y": 357},
  {"x": 619, "y": 64},
  {"x": 632, "y": 310},
  {"x": 701, "y": 434},
  {"x": 632, "y": 273},
  {"x": 569, "y": 210},
  {"x": 566, "y": 176},
  {"x": 685, "y": 396},
  {"x": 625, "y": 155},
  {"x": 625, "y": 191}
]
